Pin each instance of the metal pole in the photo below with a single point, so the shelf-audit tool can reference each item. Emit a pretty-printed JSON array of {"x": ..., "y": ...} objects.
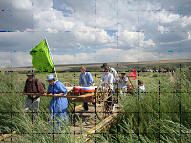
[{"x": 52, "y": 59}]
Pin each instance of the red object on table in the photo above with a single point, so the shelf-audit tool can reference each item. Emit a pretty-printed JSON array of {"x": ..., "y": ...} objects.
[{"x": 77, "y": 90}]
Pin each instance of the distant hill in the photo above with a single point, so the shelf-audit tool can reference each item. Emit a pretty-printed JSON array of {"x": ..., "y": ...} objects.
[{"x": 94, "y": 66}]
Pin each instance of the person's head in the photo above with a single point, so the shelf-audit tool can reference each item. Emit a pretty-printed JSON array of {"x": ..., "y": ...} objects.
[
  {"x": 123, "y": 74},
  {"x": 82, "y": 69},
  {"x": 30, "y": 75},
  {"x": 106, "y": 69},
  {"x": 51, "y": 79},
  {"x": 105, "y": 65},
  {"x": 140, "y": 82}
]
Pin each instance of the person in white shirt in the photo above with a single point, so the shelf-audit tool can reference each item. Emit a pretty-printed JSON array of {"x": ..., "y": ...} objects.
[
  {"x": 141, "y": 86},
  {"x": 111, "y": 70},
  {"x": 107, "y": 78},
  {"x": 123, "y": 82}
]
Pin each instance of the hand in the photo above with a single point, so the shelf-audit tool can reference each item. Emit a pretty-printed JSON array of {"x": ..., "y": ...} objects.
[{"x": 44, "y": 94}]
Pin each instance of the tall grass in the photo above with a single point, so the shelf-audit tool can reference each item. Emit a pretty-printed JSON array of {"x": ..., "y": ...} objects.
[
  {"x": 162, "y": 115},
  {"x": 13, "y": 118}
]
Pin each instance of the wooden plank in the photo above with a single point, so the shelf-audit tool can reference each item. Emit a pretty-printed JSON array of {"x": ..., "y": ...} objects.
[
  {"x": 75, "y": 98},
  {"x": 5, "y": 136},
  {"x": 103, "y": 125}
]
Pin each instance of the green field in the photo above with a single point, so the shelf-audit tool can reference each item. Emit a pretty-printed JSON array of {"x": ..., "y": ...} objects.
[{"x": 163, "y": 113}]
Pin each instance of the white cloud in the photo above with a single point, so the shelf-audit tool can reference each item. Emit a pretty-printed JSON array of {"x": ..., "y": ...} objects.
[
  {"x": 52, "y": 21},
  {"x": 186, "y": 20},
  {"x": 140, "y": 24},
  {"x": 166, "y": 17},
  {"x": 22, "y": 4},
  {"x": 135, "y": 39},
  {"x": 89, "y": 34},
  {"x": 162, "y": 29}
]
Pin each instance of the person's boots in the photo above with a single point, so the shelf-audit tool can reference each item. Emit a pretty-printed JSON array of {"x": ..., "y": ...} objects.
[{"x": 85, "y": 105}]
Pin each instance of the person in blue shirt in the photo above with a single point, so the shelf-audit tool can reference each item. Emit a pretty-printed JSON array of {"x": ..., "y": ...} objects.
[
  {"x": 58, "y": 104},
  {"x": 85, "y": 80}
]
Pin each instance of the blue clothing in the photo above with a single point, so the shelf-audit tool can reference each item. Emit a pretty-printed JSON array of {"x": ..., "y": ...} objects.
[
  {"x": 58, "y": 105},
  {"x": 86, "y": 79}
]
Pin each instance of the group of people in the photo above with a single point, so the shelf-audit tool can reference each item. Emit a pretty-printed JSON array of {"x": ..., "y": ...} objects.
[{"x": 59, "y": 104}]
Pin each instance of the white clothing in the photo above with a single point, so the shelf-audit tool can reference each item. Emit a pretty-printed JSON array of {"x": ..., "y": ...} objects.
[
  {"x": 142, "y": 88},
  {"x": 115, "y": 74},
  {"x": 123, "y": 82},
  {"x": 107, "y": 78}
]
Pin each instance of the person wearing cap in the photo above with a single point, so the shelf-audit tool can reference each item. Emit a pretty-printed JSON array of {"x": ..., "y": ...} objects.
[
  {"x": 141, "y": 86},
  {"x": 85, "y": 80},
  {"x": 111, "y": 70},
  {"x": 34, "y": 86},
  {"x": 123, "y": 82},
  {"x": 107, "y": 79},
  {"x": 58, "y": 104}
]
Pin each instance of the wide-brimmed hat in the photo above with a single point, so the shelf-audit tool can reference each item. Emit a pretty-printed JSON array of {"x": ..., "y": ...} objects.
[
  {"x": 30, "y": 73},
  {"x": 50, "y": 77},
  {"x": 122, "y": 72},
  {"x": 104, "y": 65}
]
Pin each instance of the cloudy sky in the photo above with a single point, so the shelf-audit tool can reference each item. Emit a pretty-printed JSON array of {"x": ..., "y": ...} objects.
[{"x": 88, "y": 31}]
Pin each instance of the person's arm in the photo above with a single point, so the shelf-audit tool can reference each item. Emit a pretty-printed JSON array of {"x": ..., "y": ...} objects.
[
  {"x": 62, "y": 89},
  {"x": 49, "y": 89},
  {"x": 111, "y": 78},
  {"x": 102, "y": 78},
  {"x": 126, "y": 79},
  {"x": 80, "y": 80},
  {"x": 40, "y": 87},
  {"x": 90, "y": 79},
  {"x": 25, "y": 88},
  {"x": 110, "y": 81}
]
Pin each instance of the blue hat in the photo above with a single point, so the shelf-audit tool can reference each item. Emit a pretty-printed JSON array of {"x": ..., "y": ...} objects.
[{"x": 50, "y": 77}]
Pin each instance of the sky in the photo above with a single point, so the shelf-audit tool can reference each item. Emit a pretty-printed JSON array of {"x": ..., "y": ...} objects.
[{"x": 92, "y": 31}]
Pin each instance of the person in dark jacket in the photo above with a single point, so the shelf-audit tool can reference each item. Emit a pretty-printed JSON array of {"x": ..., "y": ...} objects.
[{"x": 35, "y": 86}]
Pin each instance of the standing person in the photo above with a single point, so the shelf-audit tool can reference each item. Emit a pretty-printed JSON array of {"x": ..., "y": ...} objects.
[
  {"x": 111, "y": 70},
  {"x": 107, "y": 78},
  {"x": 58, "y": 104},
  {"x": 85, "y": 80},
  {"x": 107, "y": 81},
  {"x": 35, "y": 86}
]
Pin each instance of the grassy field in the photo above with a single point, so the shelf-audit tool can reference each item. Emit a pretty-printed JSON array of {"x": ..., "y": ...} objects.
[{"x": 163, "y": 113}]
